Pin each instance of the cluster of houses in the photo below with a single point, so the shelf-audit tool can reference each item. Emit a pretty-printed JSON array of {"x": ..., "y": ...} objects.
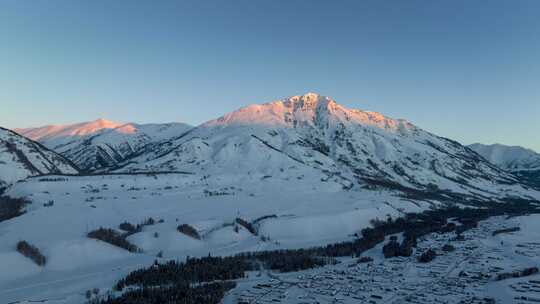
[{"x": 461, "y": 275}]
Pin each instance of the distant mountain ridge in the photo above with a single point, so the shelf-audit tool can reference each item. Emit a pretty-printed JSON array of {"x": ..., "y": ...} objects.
[
  {"x": 524, "y": 163},
  {"x": 513, "y": 158},
  {"x": 101, "y": 144},
  {"x": 56, "y": 132},
  {"x": 21, "y": 157},
  {"x": 313, "y": 136}
]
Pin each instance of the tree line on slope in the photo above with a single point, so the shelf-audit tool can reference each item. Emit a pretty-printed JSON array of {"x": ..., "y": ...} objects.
[
  {"x": 119, "y": 239},
  {"x": 113, "y": 237},
  {"x": 208, "y": 293}
]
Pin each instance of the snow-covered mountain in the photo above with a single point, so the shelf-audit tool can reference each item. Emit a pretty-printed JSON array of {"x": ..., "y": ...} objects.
[
  {"x": 313, "y": 137},
  {"x": 101, "y": 144},
  {"x": 523, "y": 162},
  {"x": 52, "y": 133},
  {"x": 21, "y": 157},
  {"x": 512, "y": 158},
  {"x": 302, "y": 169}
]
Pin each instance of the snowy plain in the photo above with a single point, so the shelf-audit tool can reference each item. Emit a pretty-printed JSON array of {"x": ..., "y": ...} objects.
[{"x": 309, "y": 212}]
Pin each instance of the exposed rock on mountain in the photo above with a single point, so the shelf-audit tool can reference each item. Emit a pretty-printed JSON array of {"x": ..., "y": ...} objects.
[
  {"x": 21, "y": 157},
  {"x": 101, "y": 144}
]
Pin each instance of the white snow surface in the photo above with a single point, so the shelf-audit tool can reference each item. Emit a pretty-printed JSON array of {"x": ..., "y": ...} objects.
[{"x": 308, "y": 212}]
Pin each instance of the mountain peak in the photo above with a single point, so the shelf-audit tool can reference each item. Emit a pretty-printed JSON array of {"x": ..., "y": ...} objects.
[
  {"x": 96, "y": 125},
  {"x": 103, "y": 121},
  {"x": 309, "y": 96},
  {"x": 310, "y": 109},
  {"x": 307, "y": 101},
  {"x": 312, "y": 136}
]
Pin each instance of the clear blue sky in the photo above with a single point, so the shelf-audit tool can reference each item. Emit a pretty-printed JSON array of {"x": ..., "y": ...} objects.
[{"x": 468, "y": 70}]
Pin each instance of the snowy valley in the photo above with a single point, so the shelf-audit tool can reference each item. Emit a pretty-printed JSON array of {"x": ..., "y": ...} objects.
[{"x": 289, "y": 174}]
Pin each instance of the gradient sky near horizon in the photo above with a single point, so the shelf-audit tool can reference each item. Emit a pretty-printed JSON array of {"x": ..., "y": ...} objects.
[{"x": 468, "y": 70}]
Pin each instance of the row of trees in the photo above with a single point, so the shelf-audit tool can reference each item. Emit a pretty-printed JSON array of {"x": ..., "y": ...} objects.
[
  {"x": 193, "y": 270},
  {"x": 119, "y": 239},
  {"x": 31, "y": 252},
  {"x": 189, "y": 231},
  {"x": 114, "y": 238},
  {"x": 132, "y": 229},
  {"x": 286, "y": 260},
  {"x": 11, "y": 207},
  {"x": 249, "y": 226},
  {"x": 211, "y": 293}
]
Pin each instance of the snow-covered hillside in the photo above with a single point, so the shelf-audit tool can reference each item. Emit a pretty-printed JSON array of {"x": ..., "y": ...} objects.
[
  {"x": 512, "y": 158},
  {"x": 100, "y": 144},
  {"x": 312, "y": 135},
  {"x": 21, "y": 158},
  {"x": 522, "y": 162},
  {"x": 295, "y": 213}
]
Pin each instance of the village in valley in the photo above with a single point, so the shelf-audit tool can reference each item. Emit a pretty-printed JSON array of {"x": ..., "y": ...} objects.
[{"x": 493, "y": 263}]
